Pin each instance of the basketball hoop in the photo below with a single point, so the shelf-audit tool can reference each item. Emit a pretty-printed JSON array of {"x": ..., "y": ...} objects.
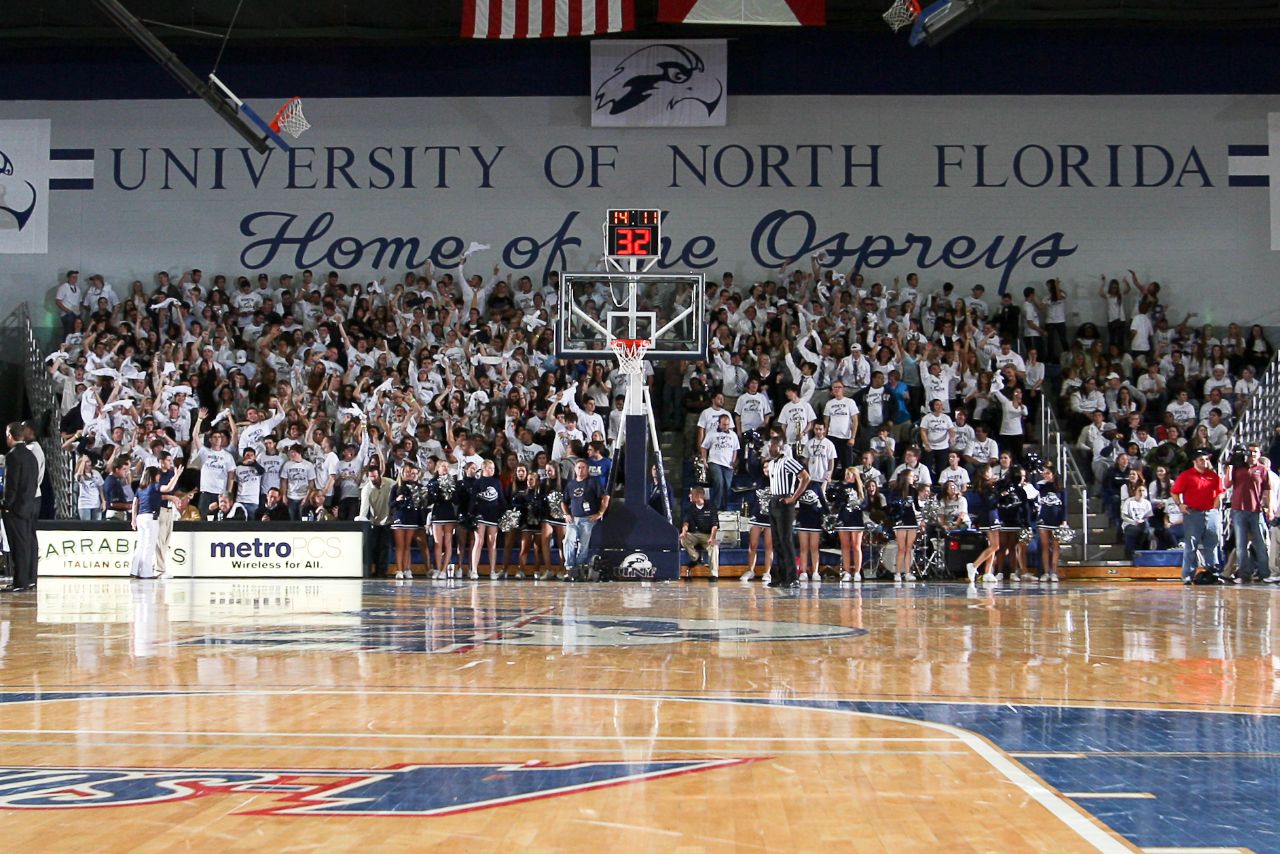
[
  {"x": 290, "y": 118},
  {"x": 630, "y": 354},
  {"x": 901, "y": 13}
]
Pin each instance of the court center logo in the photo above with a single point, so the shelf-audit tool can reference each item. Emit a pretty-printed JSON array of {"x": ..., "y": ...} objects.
[
  {"x": 29, "y": 171},
  {"x": 460, "y": 631},
  {"x": 398, "y": 790}
]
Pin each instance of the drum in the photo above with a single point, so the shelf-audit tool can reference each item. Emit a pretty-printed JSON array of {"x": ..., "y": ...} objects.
[{"x": 889, "y": 556}]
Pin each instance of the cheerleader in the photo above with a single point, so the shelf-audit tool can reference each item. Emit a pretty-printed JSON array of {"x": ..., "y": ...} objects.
[
  {"x": 875, "y": 514},
  {"x": 760, "y": 528},
  {"x": 1011, "y": 510},
  {"x": 809, "y": 512},
  {"x": 982, "y": 507},
  {"x": 440, "y": 493},
  {"x": 552, "y": 518},
  {"x": 517, "y": 496},
  {"x": 486, "y": 505},
  {"x": 532, "y": 511},
  {"x": 849, "y": 500},
  {"x": 907, "y": 521},
  {"x": 1053, "y": 513},
  {"x": 406, "y": 518},
  {"x": 1030, "y": 522},
  {"x": 466, "y": 528}
]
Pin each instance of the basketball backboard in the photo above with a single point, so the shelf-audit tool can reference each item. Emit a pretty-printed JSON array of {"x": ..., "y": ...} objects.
[{"x": 666, "y": 308}]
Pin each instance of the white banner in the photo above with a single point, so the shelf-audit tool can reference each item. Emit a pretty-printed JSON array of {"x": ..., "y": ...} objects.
[
  {"x": 659, "y": 84},
  {"x": 210, "y": 553},
  {"x": 1003, "y": 191}
]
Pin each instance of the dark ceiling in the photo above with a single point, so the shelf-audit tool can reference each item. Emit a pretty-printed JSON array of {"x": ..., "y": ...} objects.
[{"x": 387, "y": 21}]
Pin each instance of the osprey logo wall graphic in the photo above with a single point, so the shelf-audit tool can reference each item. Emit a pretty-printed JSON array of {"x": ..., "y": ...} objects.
[
  {"x": 668, "y": 72},
  {"x": 398, "y": 790},
  {"x": 658, "y": 84},
  {"x": 12, "y": 213},
  {"x": 29, "y": 170}
]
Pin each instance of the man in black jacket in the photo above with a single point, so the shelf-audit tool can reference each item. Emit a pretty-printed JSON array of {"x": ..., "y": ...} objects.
[
  {"x": 699, "y": 532},
  {"x": 21, "y": 506}
]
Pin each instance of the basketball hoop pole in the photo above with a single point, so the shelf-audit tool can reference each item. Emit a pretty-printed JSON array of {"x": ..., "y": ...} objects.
[{"x": 637, "y": 403}]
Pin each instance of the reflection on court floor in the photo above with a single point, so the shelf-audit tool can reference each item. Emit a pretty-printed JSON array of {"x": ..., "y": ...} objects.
[{"x": 918, "y": 718}]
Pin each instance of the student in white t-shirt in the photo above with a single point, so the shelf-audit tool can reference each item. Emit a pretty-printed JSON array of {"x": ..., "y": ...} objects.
[
  {"x": 840, "y": 414},
  {"x": 753, "y": 408},
  {"x": 936, "y": 433},
  {"x": 720, "y": 453}
]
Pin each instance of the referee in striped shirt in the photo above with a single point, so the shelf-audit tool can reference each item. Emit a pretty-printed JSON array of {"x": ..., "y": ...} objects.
[{"x": 787, "y": 481}]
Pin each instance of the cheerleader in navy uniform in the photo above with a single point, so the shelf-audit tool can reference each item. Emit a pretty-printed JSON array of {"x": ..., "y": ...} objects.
[
  {"x": 486, "y": 505},
  {"x": 406, "y": 518},
  {"x": 1011, "y": 509},
  {"x": 1053, "y": 514},
  {"x": 848, "y": 499},
  {"x": 552, "y": 518},
  {"x": 760, "y": 528},
  {"x": 982, "y": 515},
  {"x": 441, "y": 494},
  {"x": 907, "y": 521},
  {"x": 809, "y": 512},
  {"x": 511, "y": 522},
  {"x": 532, "y": 513}
]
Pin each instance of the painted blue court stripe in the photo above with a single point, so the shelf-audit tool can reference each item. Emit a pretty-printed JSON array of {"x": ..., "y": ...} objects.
[
  {"x": 1244, "y": 181},
  {"x": 1248, "y": 150},
  {"x": 86, "y": 153},
  {"x": 70, "y": 183}
]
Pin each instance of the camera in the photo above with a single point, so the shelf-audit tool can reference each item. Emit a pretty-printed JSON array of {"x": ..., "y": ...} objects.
[{"x": 1239, "y": 458}]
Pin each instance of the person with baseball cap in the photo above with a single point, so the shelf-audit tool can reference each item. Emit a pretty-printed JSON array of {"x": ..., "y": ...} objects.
[{"x": 1198, "y": 492}]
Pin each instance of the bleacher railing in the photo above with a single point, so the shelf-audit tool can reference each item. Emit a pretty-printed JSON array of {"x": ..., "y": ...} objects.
[
  {"x": 1058, "y": 451},
  {"x": 1259, "y": 418},
  {"x": 43, "y": 400}
]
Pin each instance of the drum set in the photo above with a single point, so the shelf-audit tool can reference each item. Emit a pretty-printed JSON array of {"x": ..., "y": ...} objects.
[{"x": 928, "y": 559}]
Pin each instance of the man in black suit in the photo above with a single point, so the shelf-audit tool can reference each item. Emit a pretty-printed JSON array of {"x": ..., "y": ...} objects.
[{"x": 21, "y": 507}]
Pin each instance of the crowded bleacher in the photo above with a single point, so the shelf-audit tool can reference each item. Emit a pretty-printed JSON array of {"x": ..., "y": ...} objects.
[{"x": 308, "y": 397}]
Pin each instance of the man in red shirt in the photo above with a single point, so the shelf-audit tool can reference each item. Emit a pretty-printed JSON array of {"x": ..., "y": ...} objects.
[
  {"x": 1250, "y": 514},
  {"x": 1198, "y": 491}
]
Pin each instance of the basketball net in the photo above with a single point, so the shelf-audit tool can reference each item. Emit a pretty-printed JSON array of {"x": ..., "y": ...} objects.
[
  {"x": 901, "y": 13},
  {"x": 290, "y": 119},
  {"x": 630, "y": 355}
]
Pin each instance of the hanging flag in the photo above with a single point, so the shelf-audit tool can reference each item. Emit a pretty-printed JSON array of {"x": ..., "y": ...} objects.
[
  {"x": 658, "y": 84},
  {"x": 808, "y": 13},
  {"x": 538, "y": 19}
]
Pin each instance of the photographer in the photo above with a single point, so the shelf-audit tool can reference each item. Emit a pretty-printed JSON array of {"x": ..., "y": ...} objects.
[{"x": 1250, "y": 512}]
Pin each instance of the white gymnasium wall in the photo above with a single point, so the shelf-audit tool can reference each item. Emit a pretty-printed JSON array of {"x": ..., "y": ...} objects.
[{"x": 1207, "y": 242}]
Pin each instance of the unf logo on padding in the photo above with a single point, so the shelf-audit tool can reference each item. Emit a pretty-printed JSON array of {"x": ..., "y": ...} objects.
[{"x": 635, "y": 565}]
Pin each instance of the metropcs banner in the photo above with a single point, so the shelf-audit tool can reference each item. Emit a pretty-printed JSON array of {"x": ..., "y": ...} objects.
[
  {"x": 1004, "y": 191},
  {"x": 207, "y": 552}
]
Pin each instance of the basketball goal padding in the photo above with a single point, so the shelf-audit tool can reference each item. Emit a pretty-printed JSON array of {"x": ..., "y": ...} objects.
[{"x": 631, "y": 526}]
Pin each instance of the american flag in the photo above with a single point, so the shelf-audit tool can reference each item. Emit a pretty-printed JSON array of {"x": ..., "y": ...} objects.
[{"x": 537, "y": 19}]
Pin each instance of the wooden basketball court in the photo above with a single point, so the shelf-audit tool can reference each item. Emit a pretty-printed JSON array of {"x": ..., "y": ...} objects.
[{"x": 487, "y": 716}]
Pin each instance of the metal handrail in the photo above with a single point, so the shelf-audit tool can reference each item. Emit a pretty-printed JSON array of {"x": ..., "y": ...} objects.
[
  {"x": 1263, "y": 410},
  {"x": 43, "y": 403},
  {"x": 1067, "y": 467}
]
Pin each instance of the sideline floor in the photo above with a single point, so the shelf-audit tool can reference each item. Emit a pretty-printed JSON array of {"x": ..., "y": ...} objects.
[{"x": 295, "y": 715}]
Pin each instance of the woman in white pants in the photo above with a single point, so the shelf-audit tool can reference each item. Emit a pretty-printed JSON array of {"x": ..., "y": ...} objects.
[{"x": 146, "y": 521}]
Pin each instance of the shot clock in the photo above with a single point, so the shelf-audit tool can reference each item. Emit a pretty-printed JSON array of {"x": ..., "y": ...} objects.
[{"x": 633, "y": 233}]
